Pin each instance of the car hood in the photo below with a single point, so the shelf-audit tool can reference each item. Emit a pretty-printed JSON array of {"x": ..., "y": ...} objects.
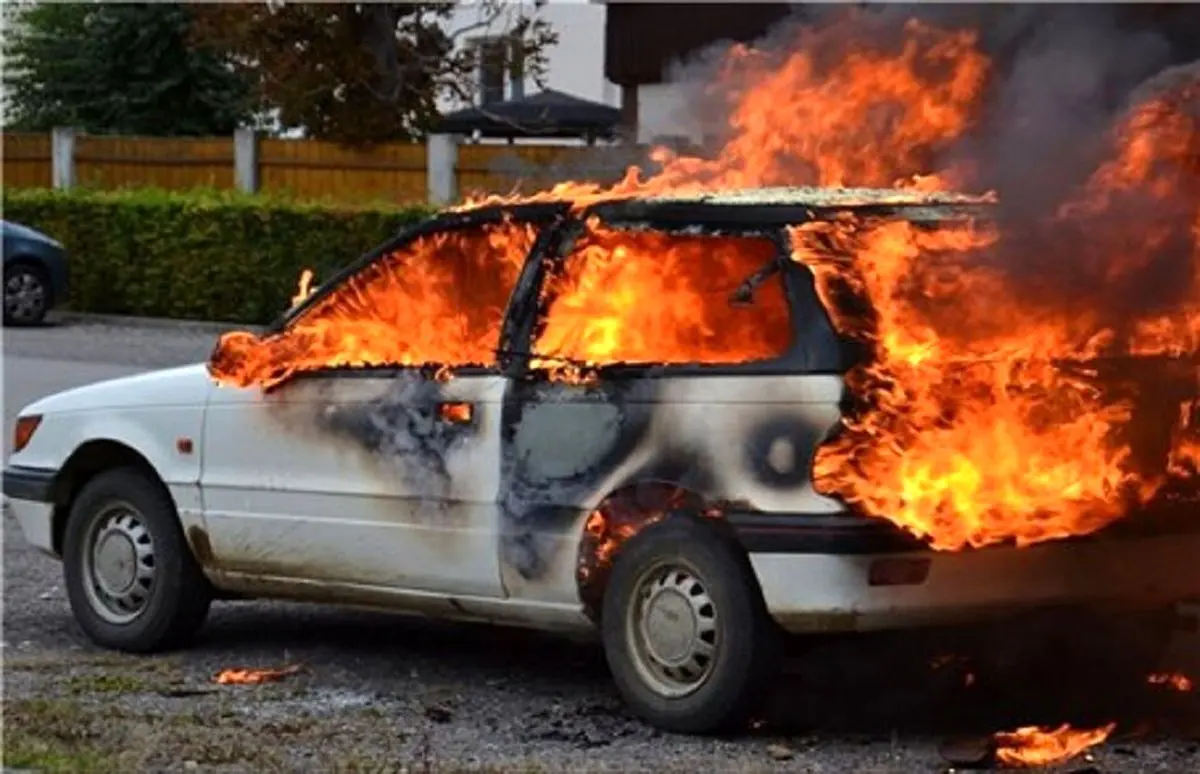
[
  {"x": 16, "y": 230},
  {"x": 188, "y": 385}
]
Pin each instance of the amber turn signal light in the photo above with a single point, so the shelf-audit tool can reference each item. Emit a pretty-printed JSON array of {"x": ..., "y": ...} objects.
[
  {"x": 457, "y": 413},
  {"x": 24, "y": 430}
]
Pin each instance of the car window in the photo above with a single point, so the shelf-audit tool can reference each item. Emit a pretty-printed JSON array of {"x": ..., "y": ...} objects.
[
  {"x": 438, "y": 300},
  {"x": 626, "y": 296}
]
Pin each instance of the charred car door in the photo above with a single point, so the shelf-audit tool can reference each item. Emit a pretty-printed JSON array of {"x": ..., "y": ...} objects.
[
  {"x": 665, "y": 363},
  {"x": 367, "y": 451}
]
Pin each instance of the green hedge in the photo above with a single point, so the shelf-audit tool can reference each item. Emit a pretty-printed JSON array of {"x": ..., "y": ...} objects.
[{"x": 205, "y": 255}]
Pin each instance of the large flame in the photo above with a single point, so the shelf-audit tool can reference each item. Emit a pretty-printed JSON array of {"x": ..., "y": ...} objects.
[
  {"x": 439, "y": 301},
  {"x": 986, "y": 411},
  {"x": 650, "y": 297}
]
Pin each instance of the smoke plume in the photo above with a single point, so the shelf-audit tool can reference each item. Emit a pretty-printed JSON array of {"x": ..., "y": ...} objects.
[{"x": 1082, "y": 119}]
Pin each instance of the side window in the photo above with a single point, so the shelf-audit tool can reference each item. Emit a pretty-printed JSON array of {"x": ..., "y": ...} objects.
[
  {"x": 625, "y": 296},
  {"x": 438, "y": 300}
]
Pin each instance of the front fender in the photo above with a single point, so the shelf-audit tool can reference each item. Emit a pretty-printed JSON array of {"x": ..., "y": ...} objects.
[{"x": 157, "y": 434}]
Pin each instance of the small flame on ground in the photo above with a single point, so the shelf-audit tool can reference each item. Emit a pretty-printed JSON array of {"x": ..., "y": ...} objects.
[
  {"x": 1175, "y": 681},
  {"x": 246, "y": 676},
  {"x": 1039, "y": 746}
]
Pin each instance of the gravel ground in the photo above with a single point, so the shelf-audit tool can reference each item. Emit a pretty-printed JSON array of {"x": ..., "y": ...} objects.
[{"x": 388, "y": 693}]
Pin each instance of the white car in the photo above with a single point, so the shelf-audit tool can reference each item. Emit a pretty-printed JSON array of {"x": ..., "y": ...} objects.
[{"x": 668, "y": 506}]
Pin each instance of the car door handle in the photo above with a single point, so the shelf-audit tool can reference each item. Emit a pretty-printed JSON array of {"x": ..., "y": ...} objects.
[{"x": 456, "y": 412}]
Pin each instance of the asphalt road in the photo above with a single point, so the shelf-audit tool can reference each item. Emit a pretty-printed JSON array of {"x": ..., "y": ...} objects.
[{"x": 379, "y": 692}]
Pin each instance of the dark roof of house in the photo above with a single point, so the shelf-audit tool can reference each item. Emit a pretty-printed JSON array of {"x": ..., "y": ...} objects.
[{"x": 548, "y": 113}]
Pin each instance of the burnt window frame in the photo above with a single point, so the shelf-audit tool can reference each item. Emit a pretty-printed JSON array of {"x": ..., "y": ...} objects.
[
  {"x": 814, "y": 349},
  {"x": 544, "y": 217}
]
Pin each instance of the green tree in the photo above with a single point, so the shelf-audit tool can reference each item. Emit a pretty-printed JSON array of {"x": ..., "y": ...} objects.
[
  {"x": 120, "y": 69},
  {"x": 361, "y": 73}
]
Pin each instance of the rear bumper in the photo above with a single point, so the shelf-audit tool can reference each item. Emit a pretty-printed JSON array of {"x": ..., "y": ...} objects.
[
  {"x": 863, "y": 579},
  {"x": 28, "y": 493}
]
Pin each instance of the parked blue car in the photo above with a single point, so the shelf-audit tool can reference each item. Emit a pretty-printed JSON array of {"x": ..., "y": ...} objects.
[{"x": 35, "y": 274}]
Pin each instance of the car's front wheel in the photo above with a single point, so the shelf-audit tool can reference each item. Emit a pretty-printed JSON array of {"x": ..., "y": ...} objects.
[
  {"x": 131, "y": 579},
  {"x": 686, "y": 633},
  {"x": 26, "y": 295}
]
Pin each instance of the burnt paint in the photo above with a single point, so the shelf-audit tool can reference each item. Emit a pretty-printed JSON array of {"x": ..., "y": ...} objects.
[
  {"x": 779, "y": 452},
  {"x": 562, "y": 445},
  {"x": 405, "y": 424},
  {"x": 559, "y": 443}
]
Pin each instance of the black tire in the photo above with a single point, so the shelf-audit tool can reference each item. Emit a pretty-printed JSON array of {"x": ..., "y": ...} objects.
[
  {"x": 176, "y": 599},
  {"x": 33, "y": 274},
  {"x": 746, "y": 644}
]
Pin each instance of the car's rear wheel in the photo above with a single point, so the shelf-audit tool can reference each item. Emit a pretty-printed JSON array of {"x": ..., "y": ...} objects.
[
  {"x": 131, "y": 579},
  {"x": 26, "y": 295},
  {"x": 687, "y": 637}
]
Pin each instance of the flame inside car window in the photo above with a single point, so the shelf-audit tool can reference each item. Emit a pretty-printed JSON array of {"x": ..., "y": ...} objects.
[
  {"x": 654, "y": 297},
  {"x": 439, "y": 299}
]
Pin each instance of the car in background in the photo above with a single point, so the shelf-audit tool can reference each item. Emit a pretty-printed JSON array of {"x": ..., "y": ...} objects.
[{"x": 35, "y": 274}]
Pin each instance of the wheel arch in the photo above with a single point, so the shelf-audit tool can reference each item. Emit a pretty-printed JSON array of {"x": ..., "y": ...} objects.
[
  {"x": 622, "y": 514},
  {"x": 88, "y": 460}
]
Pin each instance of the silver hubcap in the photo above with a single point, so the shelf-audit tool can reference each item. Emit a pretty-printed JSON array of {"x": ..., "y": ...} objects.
[
  {"x": 120, "y": 565},
  {"x": 24, "y": 295},
  {"x": 672, "y": 628}
]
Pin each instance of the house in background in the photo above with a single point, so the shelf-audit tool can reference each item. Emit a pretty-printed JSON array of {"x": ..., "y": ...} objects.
[
  {"x": 643, "y": 42},
  {"x": 616, "y": 53},
  {"x": 575, "y": 63}
]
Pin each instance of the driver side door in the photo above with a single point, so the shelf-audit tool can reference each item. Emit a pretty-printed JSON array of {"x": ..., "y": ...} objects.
[{"x": 376, "y": 461}]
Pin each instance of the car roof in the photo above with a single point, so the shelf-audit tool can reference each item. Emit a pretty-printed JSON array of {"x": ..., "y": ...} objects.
[
  {"x": 803, "y": 196},
  {"x": 745, "y": 206}
]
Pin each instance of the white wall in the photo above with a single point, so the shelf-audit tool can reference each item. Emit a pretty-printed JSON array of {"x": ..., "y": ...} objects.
[{"x": 576, "y": 62}]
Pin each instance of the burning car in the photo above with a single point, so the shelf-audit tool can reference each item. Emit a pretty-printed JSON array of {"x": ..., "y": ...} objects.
[{"x": 482, "y": 420}]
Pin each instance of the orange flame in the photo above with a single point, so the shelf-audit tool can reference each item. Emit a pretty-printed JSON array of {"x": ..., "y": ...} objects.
[
  {"x": 304, "y": 288},
  {"x": 437, "y": 301},
  {"x": 975, "y": 433},
  {"x": 650, "y": 297},
  {"x": 841, "y": 110},
  {"x": 1035, "y": 746},
  {"x": 246, "y": 676},
  {"x": 1176, "y": 681}
]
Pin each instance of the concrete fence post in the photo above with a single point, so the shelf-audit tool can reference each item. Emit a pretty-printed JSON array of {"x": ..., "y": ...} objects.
[
  {"x": 245, "y": 159},
  {"x": 441, "y": 168},
  {"x": 62, "y": 156}
]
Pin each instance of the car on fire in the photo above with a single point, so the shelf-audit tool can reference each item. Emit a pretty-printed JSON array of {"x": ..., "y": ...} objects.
[{"x": 472, "y": 422}]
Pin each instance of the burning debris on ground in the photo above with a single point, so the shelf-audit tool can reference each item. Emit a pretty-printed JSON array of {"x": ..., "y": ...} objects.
[
  {"x": 1033, "y": 746},
  {"x": 254, "y": 676}
]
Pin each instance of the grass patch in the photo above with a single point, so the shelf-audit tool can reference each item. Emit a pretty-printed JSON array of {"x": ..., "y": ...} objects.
[
  {"x": 109, "y": 683},
  {"x": 53, "y": 735},
  {"x": 54, "y": 662}
]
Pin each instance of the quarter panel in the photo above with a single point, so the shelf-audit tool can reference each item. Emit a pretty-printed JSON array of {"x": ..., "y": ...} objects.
[
  {"x": 746, "y": 439},
  {"x": 150, "y": 431}
]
